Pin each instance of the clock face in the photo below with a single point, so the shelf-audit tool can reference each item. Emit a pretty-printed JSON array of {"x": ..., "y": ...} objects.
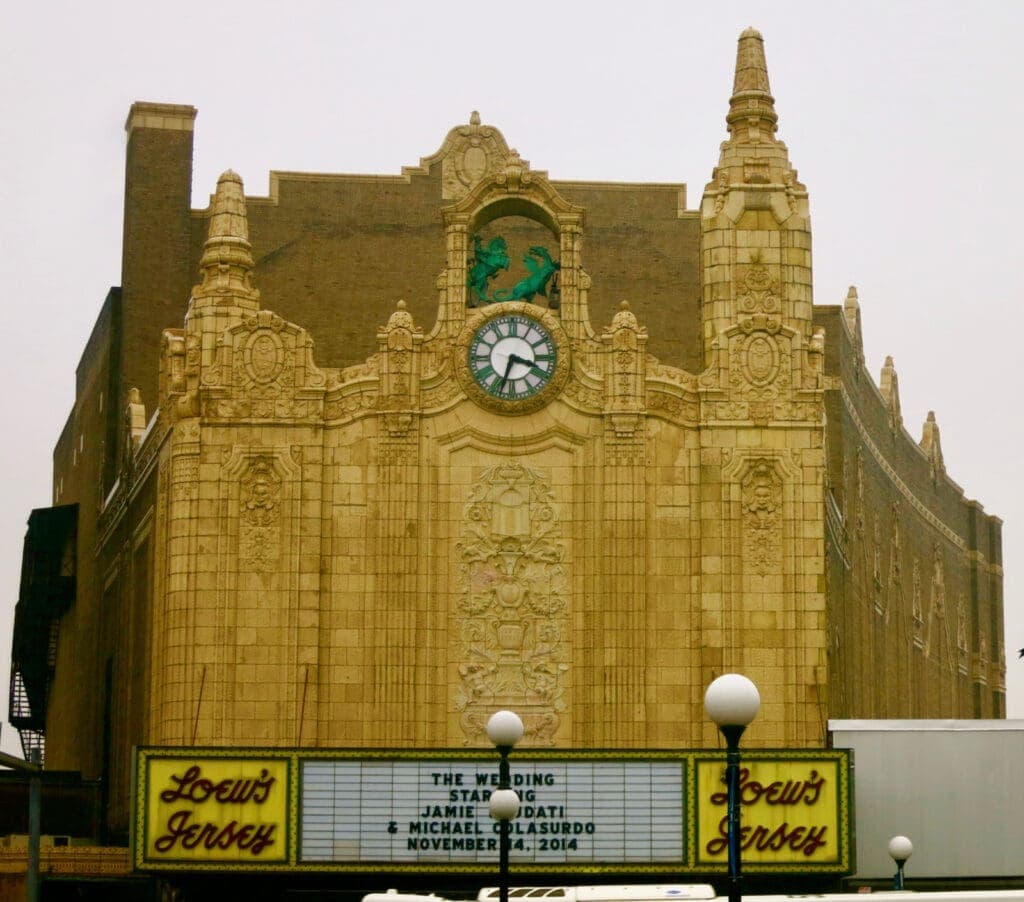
[{"x": 512, "y": 356}]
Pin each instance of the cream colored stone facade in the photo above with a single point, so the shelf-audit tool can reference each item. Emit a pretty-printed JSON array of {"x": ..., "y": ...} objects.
[{"x": 378, "y": 556}]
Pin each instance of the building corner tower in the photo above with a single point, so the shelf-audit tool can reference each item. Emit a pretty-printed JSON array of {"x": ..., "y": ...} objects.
[{"x": 762, "y": 429}]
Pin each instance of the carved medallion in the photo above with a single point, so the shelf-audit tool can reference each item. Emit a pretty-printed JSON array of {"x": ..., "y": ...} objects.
[
  {"x": 757, "y": 291},
  {"x": 264, "y": 356},
  {"x": 760, "y": 357}
]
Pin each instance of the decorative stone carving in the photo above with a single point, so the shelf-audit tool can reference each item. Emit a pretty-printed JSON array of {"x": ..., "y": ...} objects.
[
  {"x": 962, "y": 633},
  {"x": 876, "y": 568},
  {"x": 758, "y": 362},
  {"x": 264, "y": 369},
  {"x": 468, "y": 154},
  {"x": 624, "y": 343},
  {"x": 513, "y": 604},
  {"x": 762, "y": 518},
  {"x": 916, "y": 609},
  {"x": 756, "y": 291},
  {"x": 895, "y": 556},
  {"x": 399, "y": 343},
  {"x": 259, "y": 533},
  {"x": 981, "y": 663}
]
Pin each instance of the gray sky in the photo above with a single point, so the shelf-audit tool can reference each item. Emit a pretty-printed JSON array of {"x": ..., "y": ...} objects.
[{"x": 902, "y": 118}]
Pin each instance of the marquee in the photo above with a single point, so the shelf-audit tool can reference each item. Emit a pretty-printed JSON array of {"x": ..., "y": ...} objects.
[{"x": 587, "y": 812}]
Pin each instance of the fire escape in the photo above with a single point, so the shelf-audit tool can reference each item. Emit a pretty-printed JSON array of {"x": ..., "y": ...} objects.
[{"x": 47, "y": 591}]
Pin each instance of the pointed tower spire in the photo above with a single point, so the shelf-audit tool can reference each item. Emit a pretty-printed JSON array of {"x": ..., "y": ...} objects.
[
  {"x": 753, "y": 155},
  {"x": 226, "y": 264},
  {"x": 751, "y": 106},
  {"x": 755, "y": 225}
]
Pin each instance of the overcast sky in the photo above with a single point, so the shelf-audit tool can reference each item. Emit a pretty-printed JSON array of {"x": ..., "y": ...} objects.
[{"x": 903, "y": 119}]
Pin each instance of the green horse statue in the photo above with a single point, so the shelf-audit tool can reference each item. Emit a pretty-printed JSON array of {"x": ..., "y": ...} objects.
[
  {"x": 538, "y": 261},
  {"x": 484, "y": 266}
]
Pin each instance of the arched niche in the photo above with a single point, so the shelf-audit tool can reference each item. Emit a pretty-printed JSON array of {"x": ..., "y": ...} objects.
[
  {"x": 513, "y": 193},
  {"x": 509, "y": 206}
]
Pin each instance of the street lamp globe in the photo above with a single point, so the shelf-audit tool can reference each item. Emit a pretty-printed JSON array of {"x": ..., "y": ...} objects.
[
  {"x": 732, "y": 700},
  {"x": 900, "y": 848},
  {"x": 505, "y": 729},
  {"x": 504, "y": 804}
]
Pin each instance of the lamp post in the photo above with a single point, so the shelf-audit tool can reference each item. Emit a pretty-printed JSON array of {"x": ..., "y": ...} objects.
[
  {"x": 900, "y": 849},
  {"x": 732, "y": 702},
  {"x": 504, "y": 729}
]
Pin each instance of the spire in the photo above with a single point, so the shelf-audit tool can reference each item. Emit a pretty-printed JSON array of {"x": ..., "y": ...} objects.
[
  {"x": 753, "y": 155},
  {"x": 751, "y": 107},
  {"x": 226, "y": 264},
  {"x": 931, "y": 444}
]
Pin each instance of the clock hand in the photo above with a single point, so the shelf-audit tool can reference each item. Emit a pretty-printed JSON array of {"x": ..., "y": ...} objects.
[
  {"x": 508, "y": 368},
  {"x": 512, "y": 360}
]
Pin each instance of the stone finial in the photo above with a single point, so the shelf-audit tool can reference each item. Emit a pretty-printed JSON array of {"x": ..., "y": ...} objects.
[
  {"x": 515, "y": 169},
  {"x": 625, "y": 318},
  {"x": 889, "y": 385},
  {"x": 931, "y": 444},
  {"x": 851, "y": 311},
  {"x": 752, "y": 104},
  {"x": 226, "y": 264},
  {"x": 401, "y": 318},
  {"x": 474, "y": 118}
]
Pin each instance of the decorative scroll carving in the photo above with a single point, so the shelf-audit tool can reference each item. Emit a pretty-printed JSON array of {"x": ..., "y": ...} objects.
[
  {"x": 351, "y": 404},
  {"x": 762, "y": 518},
  {"x": 513, "y": 604},
  {"x": 259, "y": 532},
  {"x": 757, "y": 292},
  {"x": 673, "y": 407}
]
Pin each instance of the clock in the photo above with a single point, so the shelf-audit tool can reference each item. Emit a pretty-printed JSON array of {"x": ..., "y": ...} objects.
[{"x": 515, "y": 357}]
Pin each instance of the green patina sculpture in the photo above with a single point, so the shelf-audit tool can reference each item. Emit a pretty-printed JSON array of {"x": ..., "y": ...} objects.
[
  {"x": 541, "y": 270},
  {"x": 484, "y": 267},
  {"x": 488, "y": 261}
]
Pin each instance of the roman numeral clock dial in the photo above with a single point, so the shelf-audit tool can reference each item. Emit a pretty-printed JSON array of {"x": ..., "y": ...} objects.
[{"x": 514, "y": 359}]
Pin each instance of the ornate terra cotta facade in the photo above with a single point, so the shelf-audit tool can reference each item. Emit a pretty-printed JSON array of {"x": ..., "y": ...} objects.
[{"x": 373, "y": 541}]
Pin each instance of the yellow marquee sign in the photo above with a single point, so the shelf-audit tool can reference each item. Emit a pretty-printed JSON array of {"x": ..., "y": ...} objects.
[
  {"x": 364, "y": 810},
  {"x": 793, "y": 812},
  {"x": 203, "y": 808}
]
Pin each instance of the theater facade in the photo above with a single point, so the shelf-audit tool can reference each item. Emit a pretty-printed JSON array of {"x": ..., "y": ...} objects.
[{"x": 353, "y": 465}]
